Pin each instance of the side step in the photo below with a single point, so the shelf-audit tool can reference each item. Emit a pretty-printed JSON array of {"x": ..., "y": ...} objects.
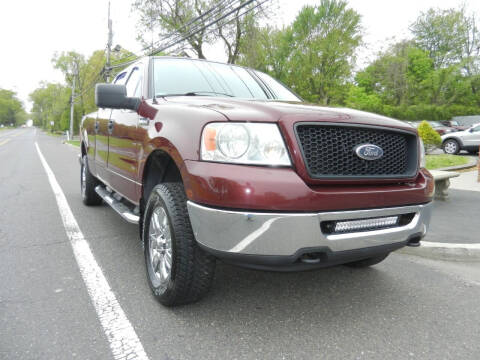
[{"x": 114, "y": 200}]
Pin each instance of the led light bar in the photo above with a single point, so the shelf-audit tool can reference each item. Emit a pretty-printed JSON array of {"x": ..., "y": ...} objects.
[{"x": 365, "y": 224}]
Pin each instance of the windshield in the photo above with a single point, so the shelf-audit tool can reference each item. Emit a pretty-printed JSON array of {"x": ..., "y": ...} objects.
[{"x": 193, "y": 77}]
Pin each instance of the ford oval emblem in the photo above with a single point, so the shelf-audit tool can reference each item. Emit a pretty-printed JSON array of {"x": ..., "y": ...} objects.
[{"x": 369, "y": 151}]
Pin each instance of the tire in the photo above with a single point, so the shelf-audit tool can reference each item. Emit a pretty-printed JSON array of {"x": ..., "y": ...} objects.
[
  {"x": 368, "y": 262},
  {"x": 88, "y": 182},
  {"x": 178, "y": 271},
  {"x": 451, "y": 146}
]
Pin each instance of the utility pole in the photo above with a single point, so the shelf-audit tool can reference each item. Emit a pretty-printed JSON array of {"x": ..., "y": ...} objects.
[
  {"x": 109, "y": 44},
  {"x": 72, "y": 101}
]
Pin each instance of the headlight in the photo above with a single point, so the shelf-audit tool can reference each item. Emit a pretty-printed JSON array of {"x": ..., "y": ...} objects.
[
  {"x": 244, "y": 143},
  {"x": 423, "y": 162}
]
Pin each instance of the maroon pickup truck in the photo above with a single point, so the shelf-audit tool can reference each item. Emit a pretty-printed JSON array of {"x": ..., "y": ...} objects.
[{"x": 217, "y": 161}]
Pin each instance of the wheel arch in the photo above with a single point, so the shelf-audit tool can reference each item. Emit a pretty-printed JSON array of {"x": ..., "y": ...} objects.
[
  {"x": 159, "y": 167},
  {"x": 457, "y": 139}
]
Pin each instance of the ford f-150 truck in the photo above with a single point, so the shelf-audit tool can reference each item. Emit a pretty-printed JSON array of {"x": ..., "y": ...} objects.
[{"x": 216, "y": 161}]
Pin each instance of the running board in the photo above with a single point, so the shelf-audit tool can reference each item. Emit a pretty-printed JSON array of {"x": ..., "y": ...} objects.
[{"x": 123, "y": 210}]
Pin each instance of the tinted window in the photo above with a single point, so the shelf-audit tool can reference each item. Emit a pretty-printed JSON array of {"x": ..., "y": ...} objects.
[
  {"x": 121, "y": 78},
  {"x": 134, "y": 83},
  {"x": 281, "y": 92},
  {"x": 181, "y": 76}
]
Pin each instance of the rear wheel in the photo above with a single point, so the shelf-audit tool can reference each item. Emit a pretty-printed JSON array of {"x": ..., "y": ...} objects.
[
  {"x": 88, "y": 182},
  {"x": 451, "y": 146},
  {"x": 178, "y": 271},
  {"x": 368, "y": 262}
]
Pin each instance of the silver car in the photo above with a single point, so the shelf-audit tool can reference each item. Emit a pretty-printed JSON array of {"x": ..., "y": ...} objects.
[{"x": 468, "y": 140}]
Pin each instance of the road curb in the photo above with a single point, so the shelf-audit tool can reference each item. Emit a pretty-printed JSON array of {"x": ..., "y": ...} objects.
[
  {"x": 445, "y": 251},
  {"x": 472, "y": 162}
]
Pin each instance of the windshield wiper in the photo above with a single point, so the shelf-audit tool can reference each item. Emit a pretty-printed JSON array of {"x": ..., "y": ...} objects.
[{"x": 195, "y": 93}]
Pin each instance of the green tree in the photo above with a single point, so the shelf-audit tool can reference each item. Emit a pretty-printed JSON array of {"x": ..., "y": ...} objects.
[
  {"x": 11, "y": 108},
  {"x": 235, "y": 33},
  {"x": 358, "y": 98},
  {"x": 314, "y": 56},
  {"x": 268, "y": 50},
  {"x": 431, "y": 139},
  {"x": 51, "y": 102},
  {"x": 404, "y": 77},
  {"x": 88, "y": 72},
  {"x": 325, "y": 38},
  {"x": 442, "y": 34}
]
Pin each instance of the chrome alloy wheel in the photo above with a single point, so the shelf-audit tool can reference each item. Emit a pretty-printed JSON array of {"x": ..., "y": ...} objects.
[
  {"x": 84, "y": 178},
  {"x": 160, "y": 246},
  {"x": 451, "y": 147}
]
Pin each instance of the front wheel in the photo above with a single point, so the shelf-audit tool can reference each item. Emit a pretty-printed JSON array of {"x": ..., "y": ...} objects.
[
  {"x": 178, "y": 271},
  {"x": 88, "y": 182},
  {"x": 368, "y": 262},
  {"x": 451, "y": 146}
]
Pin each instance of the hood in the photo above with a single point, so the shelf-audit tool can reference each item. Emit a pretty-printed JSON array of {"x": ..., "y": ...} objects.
[
  {"x": 455, "y": 133},
  {"x": 275, "y": 111}
]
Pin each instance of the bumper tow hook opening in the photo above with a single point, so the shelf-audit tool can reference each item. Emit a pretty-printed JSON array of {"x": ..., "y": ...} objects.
[
  {"x": 415, "y": 241},
  {"x": 311, "y": 258}
]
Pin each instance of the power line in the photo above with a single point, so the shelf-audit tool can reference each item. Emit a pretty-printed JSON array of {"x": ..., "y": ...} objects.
[
  {"x": 179, "y": 38},
  {"x": 216, "y": 9},
  {"x": 99, "y": 74},
  {"x": 235, "y": 18},
  {"x": 176, "y": 33},
  {"x": 90, "y": 86},
  {"x": 202, "y": 28}
]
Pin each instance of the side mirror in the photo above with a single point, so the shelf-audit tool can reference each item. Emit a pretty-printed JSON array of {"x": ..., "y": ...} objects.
[
  {"x": 114, "y": 96},
  {"x": 470, "y": 130}
]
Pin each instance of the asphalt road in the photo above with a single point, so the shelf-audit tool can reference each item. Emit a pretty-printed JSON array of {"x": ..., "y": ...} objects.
[
  {"x": 405, "y": 307},
  {"x": 456, "y": 219}
]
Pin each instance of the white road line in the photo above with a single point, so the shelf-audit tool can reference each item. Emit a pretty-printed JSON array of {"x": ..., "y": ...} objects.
[
  {"x": 120, "y": 333},
  {"x": 431, "y": 244}
]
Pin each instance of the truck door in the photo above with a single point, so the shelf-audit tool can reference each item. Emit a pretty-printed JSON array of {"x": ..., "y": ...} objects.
[
  {"x": 102, "y": 131},
  {"x": 101, "y": 142},
  {"x": 124, "y": 142}
]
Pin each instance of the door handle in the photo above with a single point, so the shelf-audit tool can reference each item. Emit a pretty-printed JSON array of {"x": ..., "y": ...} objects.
[{"x": 143, "y": 121}]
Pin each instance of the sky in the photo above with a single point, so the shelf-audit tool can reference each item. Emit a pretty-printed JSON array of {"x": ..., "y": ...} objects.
[{"x": 32, "y": 31}]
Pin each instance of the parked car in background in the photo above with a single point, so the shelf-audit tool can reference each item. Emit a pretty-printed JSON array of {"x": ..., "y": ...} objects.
[
  {"x": 436, "y": 125},
  {"x": 465, "y": 122},
  {"x": 469, "y": 140},
  {"x": 455, "y": 125},
  {"x": 441, "y": 129}
]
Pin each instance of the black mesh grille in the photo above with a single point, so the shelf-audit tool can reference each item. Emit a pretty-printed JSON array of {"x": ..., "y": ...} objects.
[{"x": 328, "y": 151}]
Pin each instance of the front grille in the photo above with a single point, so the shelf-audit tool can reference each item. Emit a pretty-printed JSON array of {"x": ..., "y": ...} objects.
[{"x": 329, "y": 151}]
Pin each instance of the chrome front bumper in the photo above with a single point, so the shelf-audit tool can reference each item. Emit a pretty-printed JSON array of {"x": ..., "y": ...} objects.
[{"x": 286, "y": 234}]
